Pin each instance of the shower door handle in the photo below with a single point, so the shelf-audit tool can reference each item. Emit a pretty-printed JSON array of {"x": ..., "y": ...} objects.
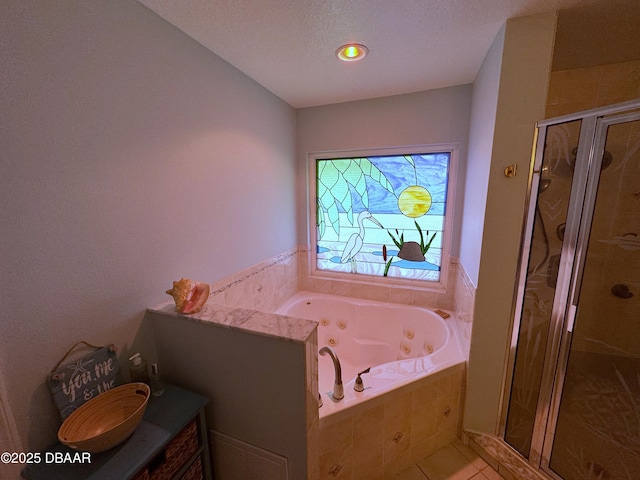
[{"x": 571, "y": 317}]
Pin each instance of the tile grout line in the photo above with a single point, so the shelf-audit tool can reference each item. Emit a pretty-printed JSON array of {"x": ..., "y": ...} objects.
[
  {"x": 423, "y": 472},
  {"x": 479, "y": 470}
]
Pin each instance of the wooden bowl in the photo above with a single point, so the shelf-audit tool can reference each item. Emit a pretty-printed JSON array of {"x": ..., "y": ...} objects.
[{"x": 106, "y": 420}]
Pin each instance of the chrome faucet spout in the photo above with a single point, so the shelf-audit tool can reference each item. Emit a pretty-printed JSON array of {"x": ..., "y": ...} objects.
[{"x": 338, "y": 390}]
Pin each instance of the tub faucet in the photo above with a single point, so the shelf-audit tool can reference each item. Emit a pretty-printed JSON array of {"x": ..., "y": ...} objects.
[
  {"x": 338, "y": 390},
  {"x": 358, "y": 386}
]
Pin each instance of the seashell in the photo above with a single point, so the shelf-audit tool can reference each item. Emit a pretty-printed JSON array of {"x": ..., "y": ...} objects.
[
  {"x": 181, "y": 292},
  {"x": 189, "y": 295}
]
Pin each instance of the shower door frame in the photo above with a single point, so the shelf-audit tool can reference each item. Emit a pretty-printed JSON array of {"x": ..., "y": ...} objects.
[{"x": 591, "y": 144}]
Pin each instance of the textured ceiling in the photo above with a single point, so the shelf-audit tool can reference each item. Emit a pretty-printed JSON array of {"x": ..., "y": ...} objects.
[{"x": 288, "y": 46}]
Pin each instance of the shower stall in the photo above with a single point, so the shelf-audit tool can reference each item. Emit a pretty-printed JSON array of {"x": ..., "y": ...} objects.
[{"x": 572, "y": 403}]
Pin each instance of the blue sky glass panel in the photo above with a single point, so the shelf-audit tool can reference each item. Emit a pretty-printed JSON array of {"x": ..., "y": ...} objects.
[{"x": 382, "y": 215}]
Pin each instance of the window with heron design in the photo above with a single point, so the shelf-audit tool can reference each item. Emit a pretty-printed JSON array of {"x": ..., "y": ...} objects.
[{"x": 383, "y": 213}]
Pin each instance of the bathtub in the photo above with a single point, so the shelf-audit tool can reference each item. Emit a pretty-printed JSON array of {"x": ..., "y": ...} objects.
[{"x": 400, "y": 344}]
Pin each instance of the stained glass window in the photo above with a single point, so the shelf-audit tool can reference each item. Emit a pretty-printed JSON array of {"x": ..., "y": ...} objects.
[{"x": 382, "y": 215}]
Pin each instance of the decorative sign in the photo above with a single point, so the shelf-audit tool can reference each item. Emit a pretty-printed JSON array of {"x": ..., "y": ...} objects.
[{"x": 74, "y": 384}]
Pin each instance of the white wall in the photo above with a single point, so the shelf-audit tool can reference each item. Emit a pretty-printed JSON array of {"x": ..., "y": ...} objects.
[
  {"x": 484, "y": 104},
  {"x": 131, "y": 156},
  {"x": 435, "y": 116},
  {"x": 524, "y": 78}
]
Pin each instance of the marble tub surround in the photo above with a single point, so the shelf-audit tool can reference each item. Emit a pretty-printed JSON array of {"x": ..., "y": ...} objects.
[
  {"x": 246, "y": 320},
  {"x": 404, "y": 294},
  {"x": 268, "y": 284},
  {"x": 263, "y": 286},
  {"x": 463, "y": 304}
]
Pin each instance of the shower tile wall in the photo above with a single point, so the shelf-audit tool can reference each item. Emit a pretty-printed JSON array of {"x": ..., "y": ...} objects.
[
  {"x": 613, "y": 250},
  {"x": 580, "y": 89}
]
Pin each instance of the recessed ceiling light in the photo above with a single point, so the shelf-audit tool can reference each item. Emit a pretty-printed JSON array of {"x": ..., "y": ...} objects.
[{"x": 352, "y": 52}]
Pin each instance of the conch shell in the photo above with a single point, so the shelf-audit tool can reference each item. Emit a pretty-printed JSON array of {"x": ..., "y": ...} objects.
[{"x": 189, "y": 295}]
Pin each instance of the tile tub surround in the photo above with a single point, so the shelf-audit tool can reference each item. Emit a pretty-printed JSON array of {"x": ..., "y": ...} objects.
[{"x": 388, "y": 434}]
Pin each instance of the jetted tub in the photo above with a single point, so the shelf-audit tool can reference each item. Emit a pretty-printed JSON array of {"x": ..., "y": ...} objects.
[{"x": 401, "y": 344}]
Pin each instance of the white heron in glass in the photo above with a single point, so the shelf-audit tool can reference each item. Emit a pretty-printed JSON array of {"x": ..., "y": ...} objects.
[{"x": 356, "y": 240}]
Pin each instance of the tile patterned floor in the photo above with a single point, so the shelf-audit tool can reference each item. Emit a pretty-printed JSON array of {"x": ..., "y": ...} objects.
[{"x": 453, "y": 462}]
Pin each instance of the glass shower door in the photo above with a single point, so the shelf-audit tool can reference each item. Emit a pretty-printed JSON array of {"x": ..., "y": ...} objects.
[
  {"x": 593, "y": 430},
  {"x": 558, "y": 144}
]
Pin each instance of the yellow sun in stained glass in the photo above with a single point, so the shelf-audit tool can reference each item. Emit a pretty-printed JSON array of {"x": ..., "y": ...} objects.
[{"x": 414, "y": 201}]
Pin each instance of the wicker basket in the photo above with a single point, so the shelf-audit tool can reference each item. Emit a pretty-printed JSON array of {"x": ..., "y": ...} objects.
[
  {"x": 195, "y": 471},
  {"x": 106, "y": 420},
  {"x": 177, "y": 452}
]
